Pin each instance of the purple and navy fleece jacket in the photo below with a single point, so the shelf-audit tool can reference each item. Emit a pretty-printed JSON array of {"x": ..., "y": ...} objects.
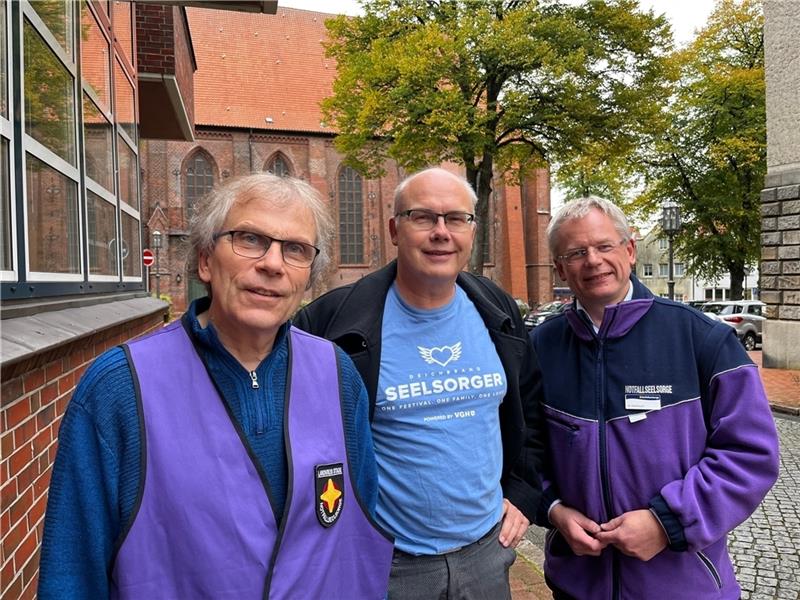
[{"x": 701, "y": 461}]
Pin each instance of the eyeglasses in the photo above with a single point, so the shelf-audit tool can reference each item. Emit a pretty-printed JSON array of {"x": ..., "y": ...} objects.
[
  {"x": 578, "y": 254},
  {"x": 256, "y": 245},
  {"x": 425, "y": 220}
]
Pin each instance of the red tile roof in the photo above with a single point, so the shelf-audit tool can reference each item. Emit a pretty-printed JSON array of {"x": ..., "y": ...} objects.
[{"x": 256, "y": 67}]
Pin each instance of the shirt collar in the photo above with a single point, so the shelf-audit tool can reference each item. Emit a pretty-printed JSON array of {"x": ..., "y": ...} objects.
[{"x": 579, "y": 306}]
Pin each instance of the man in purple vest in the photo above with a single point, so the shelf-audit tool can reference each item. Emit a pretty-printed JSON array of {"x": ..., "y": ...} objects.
[{"x": 228, "y": 455}]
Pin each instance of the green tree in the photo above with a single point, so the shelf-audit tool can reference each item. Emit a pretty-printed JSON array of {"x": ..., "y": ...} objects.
[
  {"x": 712, "y": 158},
  {"x": 499, "y": 86}
]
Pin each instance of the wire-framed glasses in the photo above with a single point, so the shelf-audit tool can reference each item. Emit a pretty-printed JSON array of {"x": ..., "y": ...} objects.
[{"x": 578, "y": 254}]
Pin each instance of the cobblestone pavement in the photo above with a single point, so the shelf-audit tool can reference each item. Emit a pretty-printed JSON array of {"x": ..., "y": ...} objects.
[{"x": 765, "y": 548}]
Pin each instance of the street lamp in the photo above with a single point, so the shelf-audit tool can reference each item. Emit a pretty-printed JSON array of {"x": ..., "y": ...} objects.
[
  {"x": 671, "y": 225},
  {"x": 157, "y": 245}
]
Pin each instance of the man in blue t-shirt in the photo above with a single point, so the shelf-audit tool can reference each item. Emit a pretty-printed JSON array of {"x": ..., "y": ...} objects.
[{"x": 454, "y": 397}]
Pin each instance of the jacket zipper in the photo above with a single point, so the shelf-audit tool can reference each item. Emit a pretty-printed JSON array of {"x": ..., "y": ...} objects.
[
  {"x": 711, "y": 569},
  {"x": 604, "y": 478},
  {"x": 259, "y": 407}
]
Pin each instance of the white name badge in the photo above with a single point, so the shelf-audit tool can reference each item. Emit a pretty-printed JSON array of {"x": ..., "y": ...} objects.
[
  {"x": 642, "y": 402},
  {"x": 636, "y": 417}
]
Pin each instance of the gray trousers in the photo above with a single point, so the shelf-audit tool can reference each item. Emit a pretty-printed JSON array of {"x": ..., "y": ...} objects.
[{"x": 475, "y": 572}]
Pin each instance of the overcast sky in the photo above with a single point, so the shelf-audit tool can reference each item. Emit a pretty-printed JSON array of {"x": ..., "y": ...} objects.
[{"x": 685, "y": 15}]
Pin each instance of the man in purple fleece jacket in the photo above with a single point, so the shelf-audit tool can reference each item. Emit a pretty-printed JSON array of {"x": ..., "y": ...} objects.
[{"x": 660, "y": 438}]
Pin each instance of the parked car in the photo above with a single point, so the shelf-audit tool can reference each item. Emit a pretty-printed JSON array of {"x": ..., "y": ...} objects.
[
  {"x": 543, "y": 312},
  {"x": 745, "y": 316},
  {"x": 698, "y": 304}
]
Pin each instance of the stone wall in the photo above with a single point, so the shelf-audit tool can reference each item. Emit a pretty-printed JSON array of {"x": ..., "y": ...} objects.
[{"x": 780, "y": 208}]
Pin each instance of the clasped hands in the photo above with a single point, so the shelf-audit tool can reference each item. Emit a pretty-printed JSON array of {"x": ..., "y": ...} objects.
[{"x": 635, "y": 533}]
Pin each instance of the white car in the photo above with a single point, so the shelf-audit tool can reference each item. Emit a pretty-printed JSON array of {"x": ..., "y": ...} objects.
[{"x": 745, "y": 316}]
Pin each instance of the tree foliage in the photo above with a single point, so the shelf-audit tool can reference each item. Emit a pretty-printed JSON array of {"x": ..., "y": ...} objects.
[
  {"x": 712, "y": 157},
  {"x": 499, "y": 86}
]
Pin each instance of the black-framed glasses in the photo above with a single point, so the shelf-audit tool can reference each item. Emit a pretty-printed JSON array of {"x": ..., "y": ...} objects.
[
  {"x": 578, "y": 254},
  {"x": 255, "y": 245},
  {"x": 425, "y": 220}
]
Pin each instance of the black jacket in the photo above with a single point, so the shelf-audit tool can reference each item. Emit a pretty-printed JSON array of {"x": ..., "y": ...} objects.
[{"x": 352, "y": 315}]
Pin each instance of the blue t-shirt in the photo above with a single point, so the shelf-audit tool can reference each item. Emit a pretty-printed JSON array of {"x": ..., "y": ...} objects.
[{"x": 436, "y": 426}]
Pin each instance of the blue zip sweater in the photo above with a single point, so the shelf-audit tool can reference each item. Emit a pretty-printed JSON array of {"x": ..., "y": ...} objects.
[{"x": 97, "y": 472}]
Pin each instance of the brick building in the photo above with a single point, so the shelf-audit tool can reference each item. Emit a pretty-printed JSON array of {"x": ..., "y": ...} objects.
[{"x": 257, "y": 90}]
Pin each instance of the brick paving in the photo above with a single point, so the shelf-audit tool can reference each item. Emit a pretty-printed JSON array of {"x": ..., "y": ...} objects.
[
  {"x": 782, "y": 386},
  {"x": 765, "y": 548}
]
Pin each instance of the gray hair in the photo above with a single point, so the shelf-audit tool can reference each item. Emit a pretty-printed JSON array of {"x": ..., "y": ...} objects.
[
  {"x": 401, "y": 189},
  {"x": 213, "y": 209},
  {"x": 578, "y": 209}
]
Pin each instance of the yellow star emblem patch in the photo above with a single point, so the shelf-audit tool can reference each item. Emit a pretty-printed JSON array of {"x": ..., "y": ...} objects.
[{"x": 330, "y": 495}]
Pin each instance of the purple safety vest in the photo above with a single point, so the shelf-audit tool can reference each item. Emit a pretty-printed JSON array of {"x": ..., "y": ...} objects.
[{"x": 204, "y": 527}]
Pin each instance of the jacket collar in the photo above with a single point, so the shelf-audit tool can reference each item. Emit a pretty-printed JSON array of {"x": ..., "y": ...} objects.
[
  {"x": 618, "y": 319},
  {"x": 374, "y": 287}
]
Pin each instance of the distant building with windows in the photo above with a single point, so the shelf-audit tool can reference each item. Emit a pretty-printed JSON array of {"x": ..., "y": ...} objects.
[
  {"x": 652, "y": 267},
  {"x": 257, "y": 90}
]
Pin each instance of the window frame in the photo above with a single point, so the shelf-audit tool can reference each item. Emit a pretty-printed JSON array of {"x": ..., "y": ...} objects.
[
  {"x": 7, "y": 134},
  {"x": 34, "y": 148},
  {"x": 20, "y": 283},
  {"x": 188, "y": 163},
  {"x": 279, "y": 156},
  {"x": 343, "y": 203}
]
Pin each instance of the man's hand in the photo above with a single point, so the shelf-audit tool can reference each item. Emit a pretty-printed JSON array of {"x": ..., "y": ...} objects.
[
  {"x": 636, "y": 533},
  {"x": 515, "y": 524},
  {"x": 578, "y": 530}
]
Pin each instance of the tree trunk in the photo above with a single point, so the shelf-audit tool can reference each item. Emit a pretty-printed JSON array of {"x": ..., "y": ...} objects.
[
  {"x": 736, "y": 272},
  {"x": 481, "y": 181}
]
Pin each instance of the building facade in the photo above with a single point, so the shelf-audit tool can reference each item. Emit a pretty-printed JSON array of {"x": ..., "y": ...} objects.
[
  {"x": 780, "y": 198},
  {"x": 250, "y": 118},
  {"x": 81, "y": 83},
  {"x": 652, "y": 267}
]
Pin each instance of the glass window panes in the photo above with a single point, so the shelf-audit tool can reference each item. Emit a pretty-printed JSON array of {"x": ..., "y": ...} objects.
[
  {"x": 123, "y": 29},
  {"x": 648, "y": 270},
  {"x": 57, "y": 15},
  {"x": 124, "y": 102},
  {"x": 663, "y": 270},
  {"x": 53, "y": 227},
  {"x": 3, "y": 61},
  {"x": 679, "y": 269},
  {"x": 662, "y": 244},
  {"x": 49, "y": 98},
  {"x": 351, "y": 228},
  {"x": 278, "y": 166},
  {"x": 95, "y": 58},
  {"x": 131, "y": 249},
  {"x": 5, "y": 209},
  {"x": 127, "y": 174},
  {"x": 98, "y": 139},
  {"x": 101, "y": 221},
  {"x": 199, "y": 180}
]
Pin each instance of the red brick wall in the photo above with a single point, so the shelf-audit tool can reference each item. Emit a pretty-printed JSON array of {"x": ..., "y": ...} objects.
[
  {"x": 155, "y": 38},
  {"x": 184, "y": 62},
  {"x": 33, "y": 397},
  {"x": 520, "y": 266}
]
